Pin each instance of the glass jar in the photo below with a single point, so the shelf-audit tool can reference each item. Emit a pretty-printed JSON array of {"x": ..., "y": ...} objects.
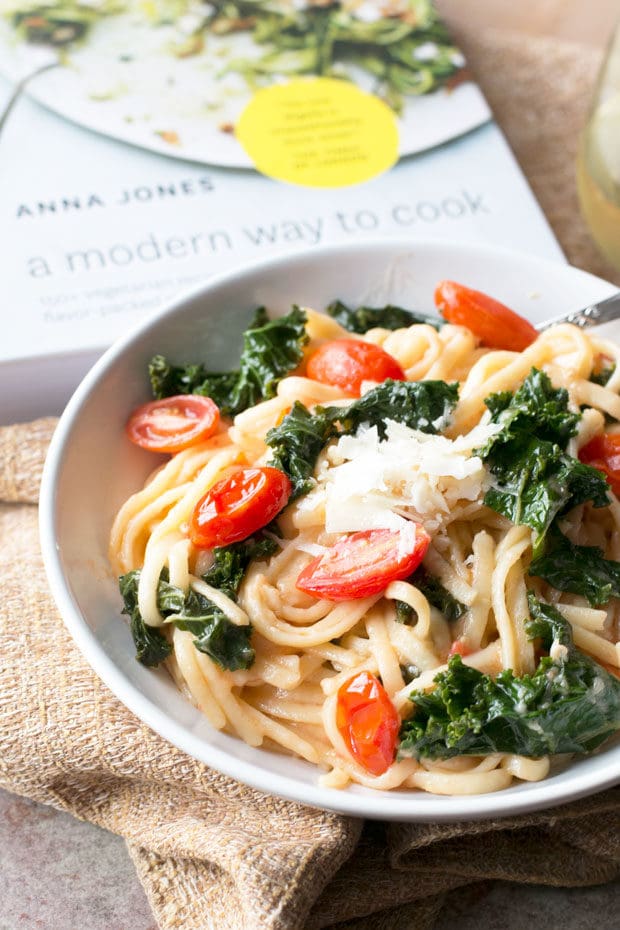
[{"x": 598, "y": 162}]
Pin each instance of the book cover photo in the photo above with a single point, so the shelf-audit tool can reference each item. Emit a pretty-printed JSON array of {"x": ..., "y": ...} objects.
[{"x": 158, "y": 142}]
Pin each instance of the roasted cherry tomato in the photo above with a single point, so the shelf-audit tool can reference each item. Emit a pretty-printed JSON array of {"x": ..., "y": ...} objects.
[
  {"x": 363, "y": 564},
  {"x": 238, "y": 506},
  {"x": 346, "y": 363},
  {"x": 459, "y": 648},
  {"x": 368, "y": 722},
  {"x": 603, "y": 452},
  {"x": 174, "y": 423},
  {"x": 490, "y": 321}
]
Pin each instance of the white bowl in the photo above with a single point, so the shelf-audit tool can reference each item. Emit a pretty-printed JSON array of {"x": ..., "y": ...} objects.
[{"x": 91, "y": 469}]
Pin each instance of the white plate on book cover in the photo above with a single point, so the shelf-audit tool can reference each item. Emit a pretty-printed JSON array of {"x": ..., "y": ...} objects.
[
  {"x": 92, "y": 469},
  {"x": 185, "y": 107}
]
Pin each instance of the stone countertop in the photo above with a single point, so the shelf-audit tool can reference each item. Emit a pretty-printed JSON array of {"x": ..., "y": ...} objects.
[{"x": 61, "y": 874}]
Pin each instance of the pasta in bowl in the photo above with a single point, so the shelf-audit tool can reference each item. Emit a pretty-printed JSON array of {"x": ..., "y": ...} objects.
[
  {"x": 360, "y": 543},
  {"x": 377, "y": 556}
]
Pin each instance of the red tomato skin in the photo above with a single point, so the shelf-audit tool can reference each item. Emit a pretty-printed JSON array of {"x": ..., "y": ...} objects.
[
  {"x": 361, "y": 565},
  {"x": 347, "y": 363},
  {"x": 459, "y": 648},
  {"x": 492, "y": 322},
  {"x": 368, "y": 722},
  {"x": 174, "y": 423},
  {"x": 239, "y": 505},
  {"x": 603, "y": 452}
]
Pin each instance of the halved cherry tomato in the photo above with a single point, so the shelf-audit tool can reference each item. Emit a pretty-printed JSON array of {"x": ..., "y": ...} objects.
[
  {"x": 368, "y": 722},
  {"x": 346, "y": 363},
  {"x": 174, "y": 423},
  {"x": 363, "y": 564},
  {"x": 238, "y": 506},
  {"x": 459, "y": 648},
  {"x": 494, "y": 324},
  {"x": 603, "y": 452}
]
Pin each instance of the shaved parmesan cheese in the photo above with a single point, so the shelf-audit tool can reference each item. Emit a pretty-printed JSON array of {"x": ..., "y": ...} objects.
[
  {"x": 311, "y": 548},
  {"x": 384, "y": 484}
]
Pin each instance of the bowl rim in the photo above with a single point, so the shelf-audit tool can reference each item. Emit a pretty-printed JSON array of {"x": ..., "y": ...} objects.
[{"x": 371, "y": 803}]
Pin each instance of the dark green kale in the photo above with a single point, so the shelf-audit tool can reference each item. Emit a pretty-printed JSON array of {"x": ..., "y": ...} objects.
[
  {"x": 230, "y": 563},
  {"x": 404, "y": 613},
  {"x": 570, "y": 703},
  {"x": 299, "y": 439},
  {"x": 271, "y": 349},
  {"x": 422, "y": 405},
  {"x": 152, "y": 647},
  {"x": 602, "y": 377},
  {"x": 168, "y": 380},
  {"x": 577, "y": 569},
  {"x": 537, "y": 408},
  {"x": 226, "y": 643},
  {"x": 435, "y": 593},
  {"x": 535, "y": 480},
  {"x": 547, "y": 625},
  {"x": 296, "y": 444},
  {"x": 361, "y": 319}
]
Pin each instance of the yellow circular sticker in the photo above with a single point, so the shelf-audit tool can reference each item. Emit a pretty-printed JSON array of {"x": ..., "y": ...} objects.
[{"x": 321, "y": 132}]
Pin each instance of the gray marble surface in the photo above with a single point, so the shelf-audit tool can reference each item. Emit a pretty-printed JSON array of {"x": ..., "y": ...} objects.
[{"x": 60, "y": 874}]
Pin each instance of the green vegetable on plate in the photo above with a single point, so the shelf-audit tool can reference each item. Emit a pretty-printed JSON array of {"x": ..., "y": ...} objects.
[
  {"x": 271, "y": 350},
  {"x": 535, "y": 480},
  {"x": 570, "y": 704},
  {"x": 297, "y": 442},
  {"x": 360, "y": 319},
  {"x": 228, "y": 644}
]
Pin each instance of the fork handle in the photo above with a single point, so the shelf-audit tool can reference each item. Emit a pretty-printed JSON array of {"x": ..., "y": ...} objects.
[{"x": 603, "y": 312}]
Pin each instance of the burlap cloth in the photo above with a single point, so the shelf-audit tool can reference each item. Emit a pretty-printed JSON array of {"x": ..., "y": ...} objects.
[{"x": 211, "y": 853}]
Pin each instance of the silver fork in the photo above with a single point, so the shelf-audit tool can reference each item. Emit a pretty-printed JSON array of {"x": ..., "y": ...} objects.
[{"x": 603, "y": 312}]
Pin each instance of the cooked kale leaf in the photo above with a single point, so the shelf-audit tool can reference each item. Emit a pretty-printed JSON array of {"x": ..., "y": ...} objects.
[
  {"x": 404, "y": 612},
  {"x": 535, "y": 480},
  {"x": 547, "y": 624},
  {"x": 435, "y": 593},
  {"x": 226, "y": 643},
  {"x": 577, "y": 569},
  {"x": 536, "y": 408},
  {"x": 570, "y": 704},
  {"x": 168, "y": 380},
  {"x": 298, "y": 440},
  {"x": 296, "y": 444},
  {"x": 271, "y": 349},
  {"x": 422, "y": 405},
  {"x": 152, "y": 647},
  {"x": 230, "y": 563},
  {"x": 602, "y": 377},
  {"x": 361, "y": 319}
]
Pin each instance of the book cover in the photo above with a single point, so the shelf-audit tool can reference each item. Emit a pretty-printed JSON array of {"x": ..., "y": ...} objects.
[{"x": 161, "y": 142}]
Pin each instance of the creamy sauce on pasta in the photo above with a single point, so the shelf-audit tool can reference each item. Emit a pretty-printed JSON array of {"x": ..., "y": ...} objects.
[{"x": 306, "y": 648}]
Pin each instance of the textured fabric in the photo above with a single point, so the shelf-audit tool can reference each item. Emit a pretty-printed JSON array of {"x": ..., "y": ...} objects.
[{"x": 211, "y": 853}]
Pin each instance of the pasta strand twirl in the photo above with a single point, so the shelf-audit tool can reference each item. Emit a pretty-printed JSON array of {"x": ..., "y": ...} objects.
[{"x": 308, "y": 648}]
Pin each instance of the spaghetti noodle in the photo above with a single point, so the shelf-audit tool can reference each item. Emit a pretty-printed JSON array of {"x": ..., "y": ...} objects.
[{"x": 308, "y": 648}]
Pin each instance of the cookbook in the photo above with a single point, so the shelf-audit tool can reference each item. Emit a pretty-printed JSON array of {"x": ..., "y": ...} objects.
[{"x": 162, "y": 142}]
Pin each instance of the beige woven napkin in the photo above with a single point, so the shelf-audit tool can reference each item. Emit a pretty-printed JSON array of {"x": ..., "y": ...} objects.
[{"x": 211, "y": 853}]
